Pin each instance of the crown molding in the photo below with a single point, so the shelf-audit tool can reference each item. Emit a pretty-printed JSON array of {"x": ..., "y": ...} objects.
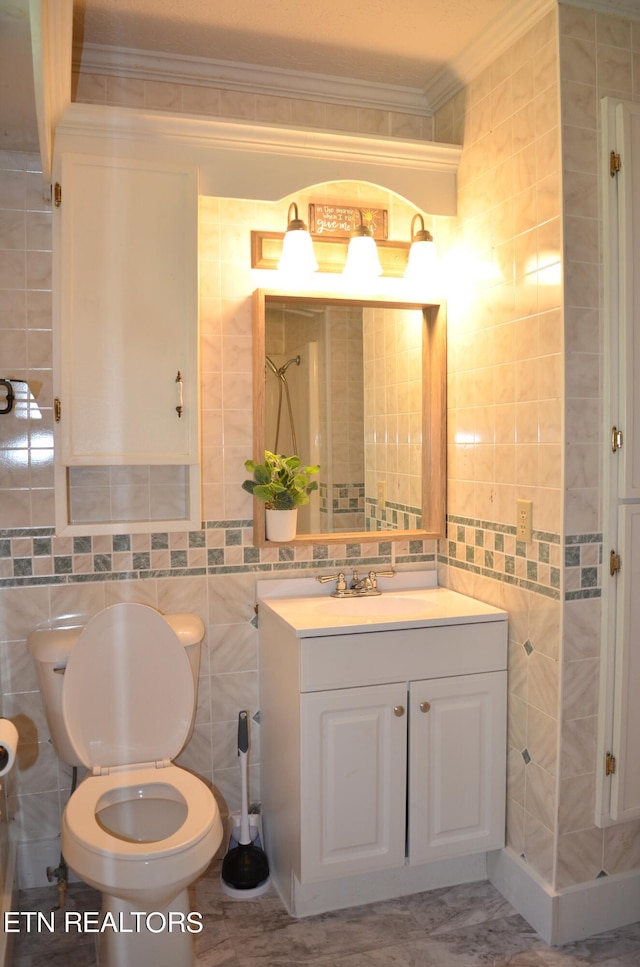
[
  {"x": 248, "y": 78},
  {"x": 501, "y": 33},
  {"x": 281, "y": 82}
]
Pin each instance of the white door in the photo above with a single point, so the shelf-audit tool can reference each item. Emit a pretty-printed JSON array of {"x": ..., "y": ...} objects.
[
  {"x": 625, "y": 781},
  {"x": 618, "y": 788},
  {"x": 353, "y": 781},
  {"x": 126, "y": 337},
  {"x": 628, "y": 137},
  {"x": 457, "y": 762}
]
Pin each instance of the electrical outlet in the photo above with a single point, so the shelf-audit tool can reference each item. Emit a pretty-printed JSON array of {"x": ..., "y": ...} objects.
[
  {"x": 382, "y": 493},
  {"x": 523, "y": 520}
]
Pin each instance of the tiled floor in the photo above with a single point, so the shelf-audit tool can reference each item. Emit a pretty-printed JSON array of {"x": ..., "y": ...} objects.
[{"x": 461, "y": 926}]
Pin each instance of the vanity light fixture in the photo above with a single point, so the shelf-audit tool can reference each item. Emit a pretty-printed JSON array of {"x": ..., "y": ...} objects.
[
  {"x": 422, "y": 263},
  {"x": 297, "y": 247},
  {"x": 362, "y": 262}
]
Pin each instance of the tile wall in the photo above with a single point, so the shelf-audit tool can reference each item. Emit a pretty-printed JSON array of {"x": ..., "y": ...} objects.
[
  {"x": 525, "y": 418},
  {"x": 177, "y": 98},
  {"x": 393, "y": 416},
  {"x": 599, "y": 57},
  {"x": 524, "y": 393},
  {"x": 211, "y": 571},
  {"x": 505, "y": 398}
]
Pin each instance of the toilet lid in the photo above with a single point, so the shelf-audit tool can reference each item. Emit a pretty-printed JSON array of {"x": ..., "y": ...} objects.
[{"x": 128, "y": 692}]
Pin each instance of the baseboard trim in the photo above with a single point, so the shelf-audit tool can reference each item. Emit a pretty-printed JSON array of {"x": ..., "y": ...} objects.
[
  {"x": 350, "y": 891},
  {"x": 575, "y": 913}
]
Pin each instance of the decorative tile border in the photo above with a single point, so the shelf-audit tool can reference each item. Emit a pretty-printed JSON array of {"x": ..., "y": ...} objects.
[
  {"x": 35, "y": 556},
  {"x": 494, "y": 551},
  {"x": 392, "y": 516},
  {"x": 583, "y": 559}
]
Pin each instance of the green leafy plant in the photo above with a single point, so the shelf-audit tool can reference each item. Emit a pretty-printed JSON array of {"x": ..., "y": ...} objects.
[{"x": 282, "y": 482}]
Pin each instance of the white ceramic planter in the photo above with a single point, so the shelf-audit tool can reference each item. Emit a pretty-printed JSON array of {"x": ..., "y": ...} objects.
[{"x": 281, "y": 524}]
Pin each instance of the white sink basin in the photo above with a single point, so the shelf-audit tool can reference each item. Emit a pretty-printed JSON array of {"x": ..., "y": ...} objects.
[
  {"x": 384, "y": 605},
  {"x": 314, "y": 614}
]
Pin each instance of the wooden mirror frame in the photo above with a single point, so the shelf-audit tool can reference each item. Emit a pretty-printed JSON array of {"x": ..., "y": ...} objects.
[{"x": 434, "y": 414}]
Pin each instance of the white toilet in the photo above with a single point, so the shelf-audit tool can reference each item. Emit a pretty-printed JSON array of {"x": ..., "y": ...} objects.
[{"x": 120, "y": 698}]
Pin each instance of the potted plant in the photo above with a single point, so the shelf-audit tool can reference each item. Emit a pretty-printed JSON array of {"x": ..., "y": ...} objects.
[{"x": 284, "y": 485}]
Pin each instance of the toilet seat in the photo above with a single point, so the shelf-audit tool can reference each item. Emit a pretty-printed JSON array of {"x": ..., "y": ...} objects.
[
  {"x": 82, "y": 823},
  {"x": 128, "y": 693}
]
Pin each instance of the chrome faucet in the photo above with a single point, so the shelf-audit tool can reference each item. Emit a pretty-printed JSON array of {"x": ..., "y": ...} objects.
[{"x": 359, "y": 587}]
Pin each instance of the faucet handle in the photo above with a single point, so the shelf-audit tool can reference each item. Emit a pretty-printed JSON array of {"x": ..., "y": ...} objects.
[
  {"x": 341, "y": 584},
  {"x": 374, "y": 575}
]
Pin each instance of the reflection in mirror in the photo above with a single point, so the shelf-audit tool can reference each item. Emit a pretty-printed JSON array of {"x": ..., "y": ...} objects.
[{"x": 358, "y": 387}]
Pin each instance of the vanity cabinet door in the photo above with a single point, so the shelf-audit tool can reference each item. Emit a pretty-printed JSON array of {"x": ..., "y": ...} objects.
[
  {"x": 353, "y": 780},
  {"x": 126, "y": 332},
  {"x": 457, "y": 762}
]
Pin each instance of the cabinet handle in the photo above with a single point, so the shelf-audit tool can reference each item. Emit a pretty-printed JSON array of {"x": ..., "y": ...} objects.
[
  {"x": 398, "y": 710},
  {"x": 425, "y": 706},
  {"x": 180, "y": 405}
]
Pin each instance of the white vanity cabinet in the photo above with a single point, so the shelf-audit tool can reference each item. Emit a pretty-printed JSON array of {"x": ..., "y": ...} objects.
[
  {"x": 383, "y": 751},
  {"x": 125, "y": 322}
]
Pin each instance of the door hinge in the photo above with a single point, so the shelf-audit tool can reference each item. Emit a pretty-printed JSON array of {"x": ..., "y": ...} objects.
[
  {"x": 616, "y": 439},
  {"x": 614, "y": 163},
  {"x": 57, "y": 194},
  {"x": 57, "y": 409},
  {"x": 614, "y": 563},
  {"x": 609, "y": 764}
]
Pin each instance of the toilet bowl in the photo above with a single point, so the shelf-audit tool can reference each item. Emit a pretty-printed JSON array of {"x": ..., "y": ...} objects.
[{"x": 138, "y": 828}]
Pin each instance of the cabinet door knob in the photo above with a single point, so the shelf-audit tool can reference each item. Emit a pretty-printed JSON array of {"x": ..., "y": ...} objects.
[
  {"x": 398, "y": 710},
  {"x": 425, "y": 706}
]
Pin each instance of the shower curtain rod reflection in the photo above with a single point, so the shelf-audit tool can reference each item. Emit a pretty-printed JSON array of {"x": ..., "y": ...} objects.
[{"x": 280, "y": 373}]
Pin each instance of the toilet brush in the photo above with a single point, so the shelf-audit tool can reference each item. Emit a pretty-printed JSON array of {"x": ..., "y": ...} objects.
[{"x": 245, "y": 866}]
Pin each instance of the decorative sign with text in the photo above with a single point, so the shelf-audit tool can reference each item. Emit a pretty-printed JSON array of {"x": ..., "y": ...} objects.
[{"x": 339, "y": 221}]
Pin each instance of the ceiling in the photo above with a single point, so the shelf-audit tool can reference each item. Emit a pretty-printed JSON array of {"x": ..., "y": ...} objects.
[
  {"x": 399, "y": 42},
  {"x": 419, "y": 47}
]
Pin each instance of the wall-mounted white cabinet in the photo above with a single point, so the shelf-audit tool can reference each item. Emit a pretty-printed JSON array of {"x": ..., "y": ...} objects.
[
  {"x": 383, "y": 752},
  {"x": 126, "y": 342}
]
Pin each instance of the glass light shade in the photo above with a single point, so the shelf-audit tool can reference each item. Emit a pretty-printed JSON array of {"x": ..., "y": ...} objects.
[
  {"x": 362, "y": 258},
  {"x": 422, "y": 265},
  {"x": 297, "y": 253}
]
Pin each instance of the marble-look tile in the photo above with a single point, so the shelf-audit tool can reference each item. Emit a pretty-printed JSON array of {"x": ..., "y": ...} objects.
[{"x": 459, "y": 926}]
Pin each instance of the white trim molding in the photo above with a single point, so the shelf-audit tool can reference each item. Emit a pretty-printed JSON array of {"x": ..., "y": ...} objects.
[
  {"x": 501, "y": 33},
  {"x": 247, "y": 78},
  {"x": 51, "y": 30},
  {"x": 574, "y": 913},
  {"x": 235, "y": 159},
  {"x": 511, "y": 24}
]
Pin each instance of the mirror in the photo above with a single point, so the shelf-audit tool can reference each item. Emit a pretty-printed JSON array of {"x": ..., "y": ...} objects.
[{"x": 358, "y": 386}]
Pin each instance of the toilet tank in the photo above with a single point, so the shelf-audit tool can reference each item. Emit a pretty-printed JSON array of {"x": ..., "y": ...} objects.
[{"x": 50, "y": 645}]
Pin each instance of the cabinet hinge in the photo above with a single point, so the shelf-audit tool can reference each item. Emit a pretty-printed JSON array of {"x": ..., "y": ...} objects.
[
  {"x": 614, "y": 163},
  {"x": 614, "y": 563},
  {"x": 57, "y": 194},
  {"x": 609, "y": 764},
  {"x": 57, "y": 409},
  {"x": 616, "y": 439}
]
